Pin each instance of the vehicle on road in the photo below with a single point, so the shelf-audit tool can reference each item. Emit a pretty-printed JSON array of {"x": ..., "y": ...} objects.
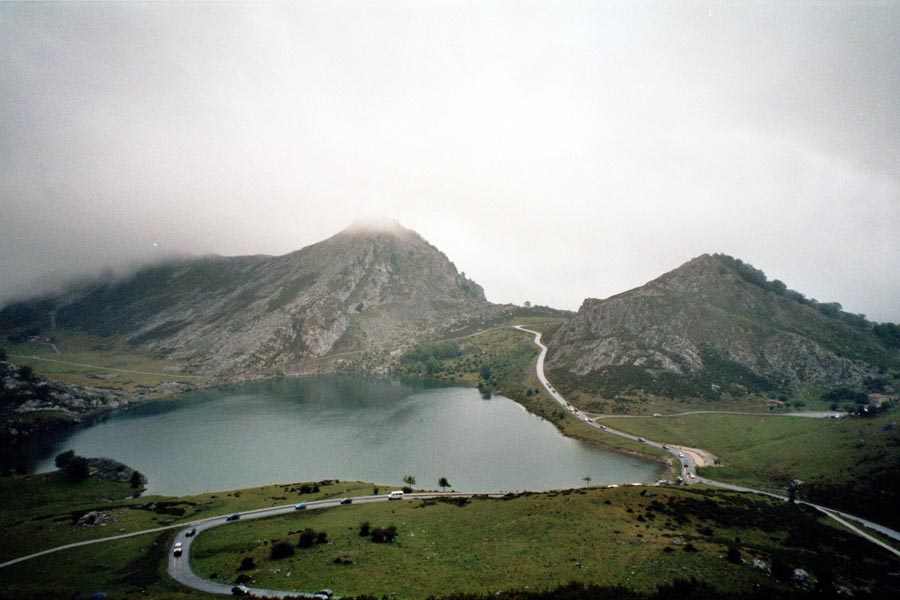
[
  {"x": 240, "y": 590},
  {"x": 323, "y": 594},
  {"x": 396, "y": 495},
  {"x": 681, "y": 455},
  {"x": 233, "y": 517},
  {"x": 642, "y": 440},
  {"x": 347, "y": 501},
  {"x": 603, "y": 427},
  {"x": 177, "y": 549},
  {"x": 190, "y": 532}
]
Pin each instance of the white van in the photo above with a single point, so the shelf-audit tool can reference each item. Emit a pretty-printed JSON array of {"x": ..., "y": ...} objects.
[{"x": 396, "y": 495}]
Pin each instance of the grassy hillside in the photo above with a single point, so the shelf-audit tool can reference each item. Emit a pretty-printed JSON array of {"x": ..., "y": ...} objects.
[
  {"x": 502, "y": 360},
  {"x": 848, "y": 463},
  {"x": 80, "y": 359},
  {"x": 636, "y": 538}
]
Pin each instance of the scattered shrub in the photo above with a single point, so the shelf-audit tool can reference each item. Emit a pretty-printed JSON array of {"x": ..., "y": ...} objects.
[
  {"x": 281, "y": 550},
  {"x": 247, "y": 564}
]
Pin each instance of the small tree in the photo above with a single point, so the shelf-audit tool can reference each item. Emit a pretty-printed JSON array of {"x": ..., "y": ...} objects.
[
  {"x": 365, "y": 528},
  {"x": 443, "y": 483},
  {"x": 26, "y": 373},
  {"x": 247, "y": 564},
  {"x": 137, "y": 479},
  {"x": 307, "y": 538},
  {"x": 64, "y": 458},
  {"x": 77, "y": 469},
  {"x": 586, "y": 479},
  {"x": 485, "y": 372},
  {"x": 409, "y": 480}
]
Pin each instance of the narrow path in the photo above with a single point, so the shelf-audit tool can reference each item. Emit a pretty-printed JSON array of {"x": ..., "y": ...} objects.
[
  {"x": 66, "y": 362},
  {"x": 688, "y": 468}
]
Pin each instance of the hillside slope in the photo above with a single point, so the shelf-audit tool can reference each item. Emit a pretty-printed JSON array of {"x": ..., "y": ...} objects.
[
  {"x": 714, "y": 326},
  {"x": 363, "y": 290}
]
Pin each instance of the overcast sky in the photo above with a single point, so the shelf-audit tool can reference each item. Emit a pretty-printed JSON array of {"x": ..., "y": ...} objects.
[{"x": 553, "y": 150}]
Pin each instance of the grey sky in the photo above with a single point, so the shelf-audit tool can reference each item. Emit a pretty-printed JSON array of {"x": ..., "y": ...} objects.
[{"x": 553, "y": 150}]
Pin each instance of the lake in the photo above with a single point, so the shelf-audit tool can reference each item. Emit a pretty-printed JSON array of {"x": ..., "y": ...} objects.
[{"x": 348, "y": 427}]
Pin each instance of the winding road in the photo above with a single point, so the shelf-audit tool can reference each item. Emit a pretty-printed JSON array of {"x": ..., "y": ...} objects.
[
  {"x": 179, "y": 567},
  {"x": 689, "y": 469}
]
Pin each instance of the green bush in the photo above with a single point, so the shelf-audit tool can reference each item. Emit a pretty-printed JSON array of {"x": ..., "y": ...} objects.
[{"x": 281, "y": 550}]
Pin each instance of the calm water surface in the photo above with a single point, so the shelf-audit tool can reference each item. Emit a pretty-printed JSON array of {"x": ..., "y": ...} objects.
[{"x": 346, "y": 427}]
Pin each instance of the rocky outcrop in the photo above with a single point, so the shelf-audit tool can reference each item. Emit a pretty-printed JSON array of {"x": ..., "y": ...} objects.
[{"x": 721, "y": 324}]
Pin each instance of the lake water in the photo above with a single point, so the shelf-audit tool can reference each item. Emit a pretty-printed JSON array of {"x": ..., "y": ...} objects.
[{"x": 346, "y": 427}]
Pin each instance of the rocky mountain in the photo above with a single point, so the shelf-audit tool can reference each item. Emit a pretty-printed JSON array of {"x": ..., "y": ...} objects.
[
  {"x": 369, "y": 290},
  {"x": 714, "y": 326}
]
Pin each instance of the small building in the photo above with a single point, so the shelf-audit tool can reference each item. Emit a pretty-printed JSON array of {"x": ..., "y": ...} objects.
[{"x": 772, "y": 404}]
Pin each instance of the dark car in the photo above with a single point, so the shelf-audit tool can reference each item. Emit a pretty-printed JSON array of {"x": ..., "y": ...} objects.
[
  {"x": 323, "y": 594},
  {"x": 347, "y": 501},
  {"x": 240, "y": 590},
  {"x": 190, "y": 532},
  {"x": 234, "y": 517},
  {"x": 300, "y": 506}
]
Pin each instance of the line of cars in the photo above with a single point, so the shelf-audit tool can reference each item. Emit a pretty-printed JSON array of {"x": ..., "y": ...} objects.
[{"x": 244, "y": 591}]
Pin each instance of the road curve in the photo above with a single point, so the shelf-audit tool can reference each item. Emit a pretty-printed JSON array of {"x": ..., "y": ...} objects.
[
  {"x": 179, "y": 567},
  {"x": 688, "y": 468}
]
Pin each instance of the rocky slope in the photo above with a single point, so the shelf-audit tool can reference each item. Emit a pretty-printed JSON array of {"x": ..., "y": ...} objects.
[
  {"x": 714, "y": 326},
  {"x": 367, "y": 291}
]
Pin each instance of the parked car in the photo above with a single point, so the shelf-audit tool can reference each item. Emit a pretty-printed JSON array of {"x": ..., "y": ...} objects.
[
  {"x": 347, "y": 501},
  {"x": 240, "y": 590},
  {"x": 323, "y": 594},
  {"x": 300, "y": 506},
  {"x": 190, "y": 532},
  {"x": 233, "y": 517}
]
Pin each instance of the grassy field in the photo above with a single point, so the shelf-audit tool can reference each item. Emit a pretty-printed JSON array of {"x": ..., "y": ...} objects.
[
  {"x": 848, "y": 463},
  {"x": 635, "y": 537},
  {"x": 98, "y": 362},
  {"x": 39, "y": 511}
]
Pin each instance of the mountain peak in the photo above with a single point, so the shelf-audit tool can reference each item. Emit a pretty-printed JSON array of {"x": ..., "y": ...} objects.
[
  {"x": 714, "y": 326},
  {"x": 377, "y": 225}
]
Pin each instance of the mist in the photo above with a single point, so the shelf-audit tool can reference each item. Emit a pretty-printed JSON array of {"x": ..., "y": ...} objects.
[{"x": 553, "y": 151}]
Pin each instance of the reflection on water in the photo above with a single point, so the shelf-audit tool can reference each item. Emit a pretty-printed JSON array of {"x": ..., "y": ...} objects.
[{"x": 345, "y": 427}]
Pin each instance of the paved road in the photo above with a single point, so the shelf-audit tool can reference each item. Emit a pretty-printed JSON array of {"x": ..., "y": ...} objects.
[
  {"x": 179, "y": 566},
  {"x": 688, "y": 469}
]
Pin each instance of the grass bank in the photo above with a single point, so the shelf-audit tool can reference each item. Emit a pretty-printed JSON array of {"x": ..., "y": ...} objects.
[
  {"x": 848, "y": 463},
  {"x": 638, "y": 538}
]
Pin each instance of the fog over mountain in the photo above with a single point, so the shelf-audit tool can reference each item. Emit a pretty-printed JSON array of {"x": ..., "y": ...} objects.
[{"x": 554, "y": 151}]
